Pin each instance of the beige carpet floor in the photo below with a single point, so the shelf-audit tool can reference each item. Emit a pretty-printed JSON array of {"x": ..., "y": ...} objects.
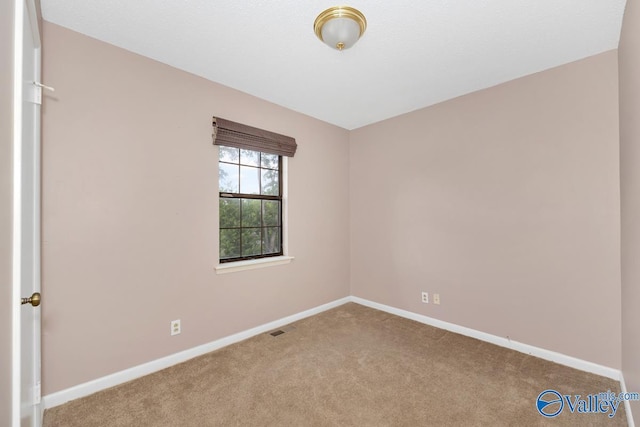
[{"x": 349, "y": 366}]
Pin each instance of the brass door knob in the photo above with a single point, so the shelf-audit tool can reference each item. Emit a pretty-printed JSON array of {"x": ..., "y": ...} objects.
[{"x": 34, "y": 299}]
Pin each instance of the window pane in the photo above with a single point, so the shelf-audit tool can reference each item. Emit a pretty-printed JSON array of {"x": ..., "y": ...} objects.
[
  {"x": 251, "y": 241},
  {"x": 229, "y": 243},
  {"x": 249, "y": 180},
  {"x": 229, "y": 213},
  {"x": 270, "y": 185},
  {"x": 271, "y": 240},
  {"x": 270, "y": 161},
  {"x": 251, "y": 213},
  {"x": 228, "y": 154},
  {"x": 270, "y": 213},
  {"x": 249, "y": 227},
  {"x": 228, "y": 178},
  {"x": 249, "y": 158}
]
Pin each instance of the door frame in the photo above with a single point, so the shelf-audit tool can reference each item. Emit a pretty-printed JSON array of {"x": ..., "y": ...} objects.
[{"x": 22, "y": 9}]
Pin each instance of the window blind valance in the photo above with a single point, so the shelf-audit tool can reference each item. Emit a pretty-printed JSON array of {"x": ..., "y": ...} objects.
[{"x": 232, "y": 134}]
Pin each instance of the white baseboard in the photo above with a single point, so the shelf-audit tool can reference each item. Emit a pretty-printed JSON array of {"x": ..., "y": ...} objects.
[
  {"x": 85, "y": 389},
  {"x": 90, "y": 387},
  {"x": 552, "y": 356},
  {"x": 627, "y": 403}
]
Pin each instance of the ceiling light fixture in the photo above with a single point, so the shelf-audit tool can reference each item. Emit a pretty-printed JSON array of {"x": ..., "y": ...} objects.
[{"x": 340, "y": 27}]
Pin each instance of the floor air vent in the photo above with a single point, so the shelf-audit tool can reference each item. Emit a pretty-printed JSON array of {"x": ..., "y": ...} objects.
[{"x": 282, "y": 330}]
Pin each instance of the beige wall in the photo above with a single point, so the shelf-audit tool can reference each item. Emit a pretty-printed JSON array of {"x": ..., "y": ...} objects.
[
  {"x": 506, "y": 203},
  {"x": 629, "y": 69},
  {"x": 6, "y": 154},
  {"x": 130, "y": 212}
]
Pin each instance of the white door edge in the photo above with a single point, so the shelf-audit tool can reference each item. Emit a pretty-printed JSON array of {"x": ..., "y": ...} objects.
[
  {"x": 24, "y": 9},
  {"x": 17, "y": 212}
]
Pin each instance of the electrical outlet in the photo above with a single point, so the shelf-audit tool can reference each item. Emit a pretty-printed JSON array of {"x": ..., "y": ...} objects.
[
  {"x": 436, "y": 299},
  {"x": 175, "y": 327},
  {"x": 425, "y": 297}
]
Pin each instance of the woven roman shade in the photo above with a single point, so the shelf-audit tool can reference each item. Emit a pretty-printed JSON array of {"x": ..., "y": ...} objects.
[{"x": 232, "y": 134}]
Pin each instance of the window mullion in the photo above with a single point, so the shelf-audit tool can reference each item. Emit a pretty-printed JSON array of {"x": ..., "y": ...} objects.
[
  {"x": 262, "y": 227},
  {"x": 280, "y": 177},
  {"x": 248, "y": 196},
  {"x": 240, "y": 226},
  {"x": 260, "y": 174}
]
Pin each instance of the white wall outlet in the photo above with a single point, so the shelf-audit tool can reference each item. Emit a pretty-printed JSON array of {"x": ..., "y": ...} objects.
[
  {"x": 436, "y": 299},
  {"x": 425, "y": 297},
  {"x": 175, "y": 327}
]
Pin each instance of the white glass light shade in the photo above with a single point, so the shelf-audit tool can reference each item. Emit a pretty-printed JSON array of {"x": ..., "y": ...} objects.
[
  {"x": 341, "y": 33},
  {"x": 340, "y": 27}
]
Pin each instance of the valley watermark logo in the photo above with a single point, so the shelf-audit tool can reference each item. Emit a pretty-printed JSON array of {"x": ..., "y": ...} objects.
[{"x": 551, "y": 403}]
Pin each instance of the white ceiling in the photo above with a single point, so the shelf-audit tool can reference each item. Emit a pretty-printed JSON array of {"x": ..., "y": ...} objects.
[{"x": 415, "y": 53}]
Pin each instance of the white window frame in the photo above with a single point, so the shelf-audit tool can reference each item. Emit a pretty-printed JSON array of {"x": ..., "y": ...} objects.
[{"x": 251, "y": 264}]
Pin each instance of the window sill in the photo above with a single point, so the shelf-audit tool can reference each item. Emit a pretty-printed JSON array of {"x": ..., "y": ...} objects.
[{"x": 231, "y": 267}]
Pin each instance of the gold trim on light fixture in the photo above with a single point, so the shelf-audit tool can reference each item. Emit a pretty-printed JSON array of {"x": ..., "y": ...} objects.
[{"x": 339, "y": 12}]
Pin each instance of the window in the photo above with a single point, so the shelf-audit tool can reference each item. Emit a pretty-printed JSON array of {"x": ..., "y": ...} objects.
[
  {"x": 250, "y": 185},
  {"x": 250, "y": 192}
]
